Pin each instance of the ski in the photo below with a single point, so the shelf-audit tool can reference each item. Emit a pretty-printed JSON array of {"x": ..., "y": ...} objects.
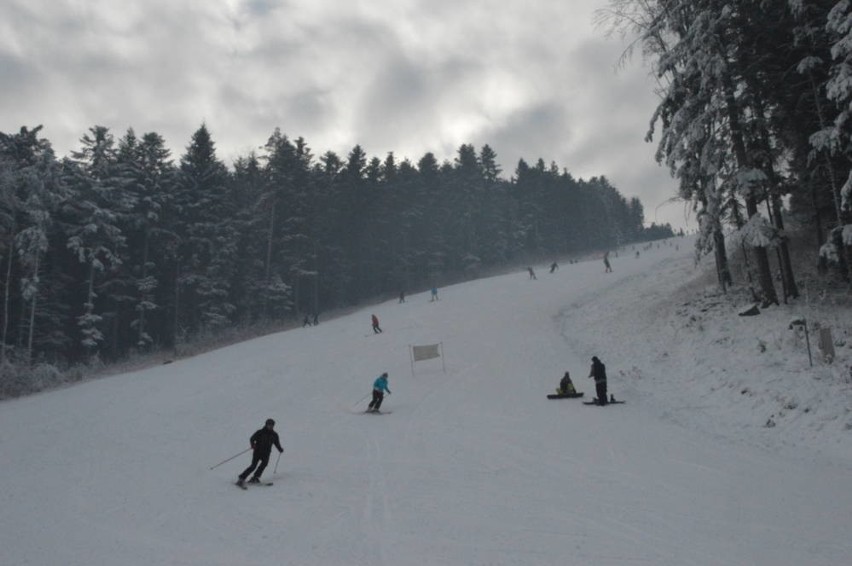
[
  {"x": 596, "y": 404},
  {"x": 245, "y": 485},
  {"x": 368, "y": 412}
]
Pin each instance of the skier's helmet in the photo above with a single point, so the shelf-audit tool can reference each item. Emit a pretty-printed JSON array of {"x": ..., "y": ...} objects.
[{"x": 270, "y": 422}]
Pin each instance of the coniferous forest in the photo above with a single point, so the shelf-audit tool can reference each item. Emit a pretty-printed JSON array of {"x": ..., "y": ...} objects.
[{"x": 120, "y": 248}]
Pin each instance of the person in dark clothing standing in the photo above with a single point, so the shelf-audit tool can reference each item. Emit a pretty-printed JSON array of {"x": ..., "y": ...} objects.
[
  {"x": 262, "y": 442},
  {"x": 376, "y": 328},
  {"x": 599, "y": 373}
]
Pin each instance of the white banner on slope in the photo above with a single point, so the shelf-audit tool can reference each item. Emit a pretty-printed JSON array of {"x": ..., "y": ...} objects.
[{"x": 427, "y": 352}]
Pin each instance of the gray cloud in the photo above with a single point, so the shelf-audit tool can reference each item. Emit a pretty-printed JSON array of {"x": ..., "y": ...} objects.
[{"x": 408, "y": 76}]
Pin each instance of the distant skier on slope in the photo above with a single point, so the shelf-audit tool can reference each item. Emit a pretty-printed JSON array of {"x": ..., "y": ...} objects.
[
  {"x": 375, "y": 320},
  {"x": 262, "y": 442},
  {"x": 599, "y": 373},
  {"x": 380, "y": 385}
]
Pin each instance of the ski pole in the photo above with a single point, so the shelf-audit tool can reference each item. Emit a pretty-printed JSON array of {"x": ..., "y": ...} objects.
[
  {"x": 276, "y": 463},
  {"x": 231, "y": 458},
  {"x": 359, "y": 401}
]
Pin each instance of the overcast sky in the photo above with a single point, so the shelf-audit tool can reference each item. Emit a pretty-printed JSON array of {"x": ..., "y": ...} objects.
[{"x": 531, "y": 79}]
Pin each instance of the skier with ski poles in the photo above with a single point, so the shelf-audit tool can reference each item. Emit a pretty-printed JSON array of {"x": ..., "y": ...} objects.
[
  {"x": 262, "y": 442},
  {"x": 380, "y": 385}
]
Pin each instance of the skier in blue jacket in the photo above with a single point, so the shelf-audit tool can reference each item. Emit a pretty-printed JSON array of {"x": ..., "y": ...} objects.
[{"x": 379, "y": 388}]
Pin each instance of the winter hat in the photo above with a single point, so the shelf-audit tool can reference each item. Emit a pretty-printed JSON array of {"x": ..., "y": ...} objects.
[
  {"x": 270, "y": 422},
  {"x": 595, "y": 359},
  {"x": 385, "y": 374}
]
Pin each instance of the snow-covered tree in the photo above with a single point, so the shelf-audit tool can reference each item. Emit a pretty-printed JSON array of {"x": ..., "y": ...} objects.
[
  {"x": 150, "y": 175},
  {"x": 32, "y": 187},
  {"x": 92, "y": 218},
  {"x": 205, "y": 236}
]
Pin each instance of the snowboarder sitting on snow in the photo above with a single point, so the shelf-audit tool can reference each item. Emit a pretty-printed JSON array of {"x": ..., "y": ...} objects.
[
  {"x": 261, "y": 444},
  {"x": 566, "y": 386},
  {"x": 379, "y": 388},
  {"x": 599, "y": 373}
]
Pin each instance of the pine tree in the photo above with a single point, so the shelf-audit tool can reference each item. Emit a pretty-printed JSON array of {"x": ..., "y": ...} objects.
[
  {"x": 33, "y": 188},
  {"x": 206, "y": 239},
  {"x": 150, "y": 174},
  {"x": 92, "y": 223}
]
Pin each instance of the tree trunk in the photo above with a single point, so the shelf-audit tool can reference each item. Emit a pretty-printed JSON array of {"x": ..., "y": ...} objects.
[
  {"x": 176, "y": 314},
  {"x": 90, "y": 303},
  {"x": 31, "y": 330},
  {"x": 141, "y": 333},
  {"x": 788, "y": 280},
  {"x": 316, "y": 279},
  {"x": 6, "y": 293},
  {"x": 268, "y": 270},
  {"x": 835, "y": 189},
  {"x": 764, "y": 271},
  {"x": 297, "y": 278},
  {"x": 773, "y": 205},
  {"x": 722, "y": 268}
]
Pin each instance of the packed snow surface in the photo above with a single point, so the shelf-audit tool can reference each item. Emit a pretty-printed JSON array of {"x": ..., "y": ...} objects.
[{"x": 730, "y": 449}]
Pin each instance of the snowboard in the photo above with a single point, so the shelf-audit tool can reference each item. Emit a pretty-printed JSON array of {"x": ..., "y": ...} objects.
[
  {"x": 368, "y": 412},
  {"x": 564, "y": 396}
]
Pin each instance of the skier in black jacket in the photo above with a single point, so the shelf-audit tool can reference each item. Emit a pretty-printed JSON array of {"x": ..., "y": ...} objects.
[{"x": 262, "y": 442}]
